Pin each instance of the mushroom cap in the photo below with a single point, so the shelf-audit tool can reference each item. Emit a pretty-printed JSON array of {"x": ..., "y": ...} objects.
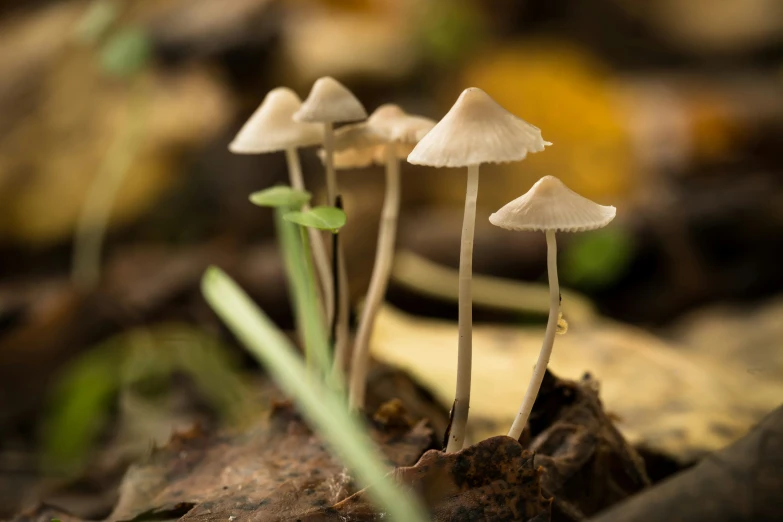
[
  {"x": 550, "y": 205},
  {"x": 360, "y": 144},
  {"x": 396, "y": 125},
  {"x": 477, "y": 130},
  {"x": 330, "y": 101},
  {"x": 271, "y": 127}
]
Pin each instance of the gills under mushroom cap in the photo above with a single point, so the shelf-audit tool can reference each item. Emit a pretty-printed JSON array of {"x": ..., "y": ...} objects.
[
  {"x": 271, "y": 127},
  {"x": 550, "y": 205},
  {"x": 330, "y": 101},
  {"x": 477, "y": 130}
]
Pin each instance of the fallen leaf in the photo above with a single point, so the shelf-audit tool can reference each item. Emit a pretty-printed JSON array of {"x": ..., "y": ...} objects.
[
  {"x": 278, "y": 471},
  {"x": 679, "y": 403}
]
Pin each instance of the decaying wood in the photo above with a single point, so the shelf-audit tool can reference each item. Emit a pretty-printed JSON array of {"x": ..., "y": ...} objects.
[{"x": 741, "y": 483}]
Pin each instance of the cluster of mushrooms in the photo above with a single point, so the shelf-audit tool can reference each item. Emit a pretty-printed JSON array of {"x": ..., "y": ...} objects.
[{"x": 476, "y": 130}]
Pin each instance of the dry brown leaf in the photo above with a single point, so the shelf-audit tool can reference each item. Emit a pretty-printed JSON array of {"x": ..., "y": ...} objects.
[
  {"x": 680, "y": 403},
  {"x": 587, "y": 464},
  {"x": 277, "y": 471}
]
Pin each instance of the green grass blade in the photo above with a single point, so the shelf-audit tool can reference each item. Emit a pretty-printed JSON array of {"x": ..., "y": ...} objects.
[
  {"x": 301, "y": 279},
  {"x": 321, "y": 406}
]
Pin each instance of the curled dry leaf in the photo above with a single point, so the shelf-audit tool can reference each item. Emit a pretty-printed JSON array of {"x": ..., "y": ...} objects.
[
  {"x": 492, "y": 480},
  {"x": 678, "y": 402},
  {"x": 587, "y": 464},
  {"x": 276, "y": 471}
]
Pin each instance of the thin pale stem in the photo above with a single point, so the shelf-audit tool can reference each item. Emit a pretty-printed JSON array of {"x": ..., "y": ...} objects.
[
  {"x": 331, "y": 176},
  {"x": 343, "y": 311},
  {"x": 317, "y": 243},
  {"x": 549, "y": 340},
  {"x": 384, "y": 256},
  {"x": 343, "y": 305},
  {"x": 465, "y": 350}
]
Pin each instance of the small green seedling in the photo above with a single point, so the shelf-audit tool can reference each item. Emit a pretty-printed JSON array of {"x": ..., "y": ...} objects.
[
  {"x": 323, "y": 408},
  {"x": 280, "y": 196},
  {"x": 330, "y": 219},
  {"x": 300, "y": 273}
]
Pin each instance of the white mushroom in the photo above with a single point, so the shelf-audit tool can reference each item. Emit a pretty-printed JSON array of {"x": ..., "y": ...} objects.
[
  {"x": 549, "y": 206},
  {"x": 387, "y": 136},
  {"x": 271, "y": 128},
  {"x": 476, "y": 130},
  {"x": 330, "y": 102}
]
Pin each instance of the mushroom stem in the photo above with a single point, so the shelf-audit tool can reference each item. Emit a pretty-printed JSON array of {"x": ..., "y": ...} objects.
[
  {"x": 549, "y": 340},
  {"x": 343, "y": 307},
  {"x": 380, "y": 278},
  {"x": 465, "y": 355},
  {"x": 331, "y": 176},
  {"x": 317, "y": 245}
]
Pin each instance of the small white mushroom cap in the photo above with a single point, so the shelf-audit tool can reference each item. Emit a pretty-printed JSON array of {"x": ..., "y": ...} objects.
[
  {"x": 271, "y": 127},
  {"x": 360, "y": 144},
  {"x": 477, "y": 130},
  {"x": 550, "y": 205},
  {"x": 330, "y": 101}
]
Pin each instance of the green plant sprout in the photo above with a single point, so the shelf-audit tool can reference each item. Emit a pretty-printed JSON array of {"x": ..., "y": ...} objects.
[
  {"x": 476, "y": 130},
  {"x": 330, "y": 219},
  {"x": 296, "y": 256},
  {"x": 324, "y": 408},
  {"x": 549, "y": 206},
  {"x": 281, "y": 196},
  {"x": 271, "y": 128}
]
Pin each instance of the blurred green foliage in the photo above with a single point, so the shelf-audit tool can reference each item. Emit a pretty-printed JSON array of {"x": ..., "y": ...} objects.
[
  {"x": 450, "y": 30},
  {"x": 97, "y": 21},
  {"x": 598, "y": 258},
  {"x": 126, "y": 53},
  {"x": 141, "y": 362}
]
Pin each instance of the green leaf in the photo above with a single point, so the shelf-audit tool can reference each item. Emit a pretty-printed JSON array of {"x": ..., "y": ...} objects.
[
  {"x": 280, "y": 196},
  {"x": 126, "y": 53},
  {"x": 321, "y": 406},
  {"x": 322, "y": 218},
  {"x": 597, "y": 259}
]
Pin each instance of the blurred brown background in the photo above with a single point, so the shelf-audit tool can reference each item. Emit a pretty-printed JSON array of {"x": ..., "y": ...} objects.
[{"x": 671, "y": 110}]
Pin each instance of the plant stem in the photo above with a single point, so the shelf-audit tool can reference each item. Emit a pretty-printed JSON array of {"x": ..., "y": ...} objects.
[
  {"x": 317, "y": 243},
  {"x": 465, "y": 355},
  {"x": 96, "y": 210},
  {"x": 384, "y": 256},
  {"x": 343, "y": 292},
  {"x": 549, "y": 340}
]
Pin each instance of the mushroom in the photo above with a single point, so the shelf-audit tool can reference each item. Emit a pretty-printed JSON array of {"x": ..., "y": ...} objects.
[
  {"x": 271, "y": 128},
  {"x": 476, "y": 130},
  {"x": 330, "y": 102},
  {"x": 388, "y": 135},
  {"x": 549, "y": 206}
]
